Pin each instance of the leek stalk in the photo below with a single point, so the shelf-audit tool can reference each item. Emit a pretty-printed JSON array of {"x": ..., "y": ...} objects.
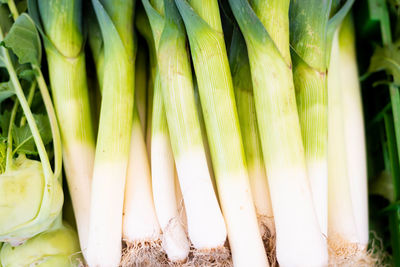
[
  {"x": 64, "y": 48},
  {"x": 244, "y": 96},
  {"x": 141, "y": 230},
  {"x": 347, "y": 183},
  {"x": 175, "y": 242},
  {"x": 354, "y": 129},
  {"x": 113, "y": 141},
  {"x": 203, "y": 26},
  {"x": 206, "y": 226}
]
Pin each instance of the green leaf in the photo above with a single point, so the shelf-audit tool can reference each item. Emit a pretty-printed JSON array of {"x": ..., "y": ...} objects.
[
  {"x": 23, "y": 39},
  {"x": 23, "y": 139},
  {"x": 388, "y": 59},
  {"x": 6, "y": 91},
  {"x": 27, "y": 74}
]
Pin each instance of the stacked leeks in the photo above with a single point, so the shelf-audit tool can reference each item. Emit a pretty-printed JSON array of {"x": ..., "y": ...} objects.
[{"x": 239, "y": 145}]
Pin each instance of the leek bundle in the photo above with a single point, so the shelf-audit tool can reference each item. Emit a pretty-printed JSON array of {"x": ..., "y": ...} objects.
[
  {"x": 311, "y": 53},
  {"x": 279, "y": 128},
  {"x": 206, "y": 227},
  {"x": 233, "y": 139}
]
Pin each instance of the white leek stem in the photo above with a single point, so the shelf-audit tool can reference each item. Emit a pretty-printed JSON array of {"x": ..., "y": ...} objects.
[
  {"x": 354, "y": 130},
  {"x": 341, "y": 221}
]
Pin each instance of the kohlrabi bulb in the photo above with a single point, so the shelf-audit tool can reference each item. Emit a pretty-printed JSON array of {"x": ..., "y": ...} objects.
[
  {"x": 58, "y": 246},
  {"x": 28, "y": 205}
]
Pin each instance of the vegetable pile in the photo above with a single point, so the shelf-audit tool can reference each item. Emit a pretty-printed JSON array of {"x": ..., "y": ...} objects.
[{"x": 191, "y": 132}]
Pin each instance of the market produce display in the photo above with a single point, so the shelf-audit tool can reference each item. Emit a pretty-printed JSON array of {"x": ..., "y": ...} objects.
[{"x": 198, "y": 133}]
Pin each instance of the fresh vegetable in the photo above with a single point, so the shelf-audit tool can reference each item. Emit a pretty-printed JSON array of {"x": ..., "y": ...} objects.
[
  {"x": 141, "y": 230},
  {"x": 299, "y": 241},
  {"x": 175, "y": 242},
  {"x": 244, "y": 96},
  {"x": 58, "y": 246},
  {"x": 206, "y": 226},
  {"x": 113, "y": 140},
  {"x": 265, "y": 147},
  {"x": 311, "y": 53},
  {"x": 203, "y": 26}
]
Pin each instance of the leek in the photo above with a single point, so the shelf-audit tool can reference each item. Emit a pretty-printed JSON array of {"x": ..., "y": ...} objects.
[
  {"x": 312, "y": 26},
  {"x": 341, "y": 220},
  {"x": 242, "y": 84},
  {"x": 354, "y": 133},
  {"x": 112, "y": 148},
  {"x": 141, "y": 230},
  {"x": 299, "y": 241},
  {"x": 203, "y": 26},
  {"x": 64, "y": 48},
  {"x": 348, "y": 208},
  {"x": 206, "y": 226},
  {"x": 175, "y": 242}
]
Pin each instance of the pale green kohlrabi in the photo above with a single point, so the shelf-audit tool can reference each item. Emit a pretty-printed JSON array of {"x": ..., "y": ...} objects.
[{"x": 59, "y": 246}]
